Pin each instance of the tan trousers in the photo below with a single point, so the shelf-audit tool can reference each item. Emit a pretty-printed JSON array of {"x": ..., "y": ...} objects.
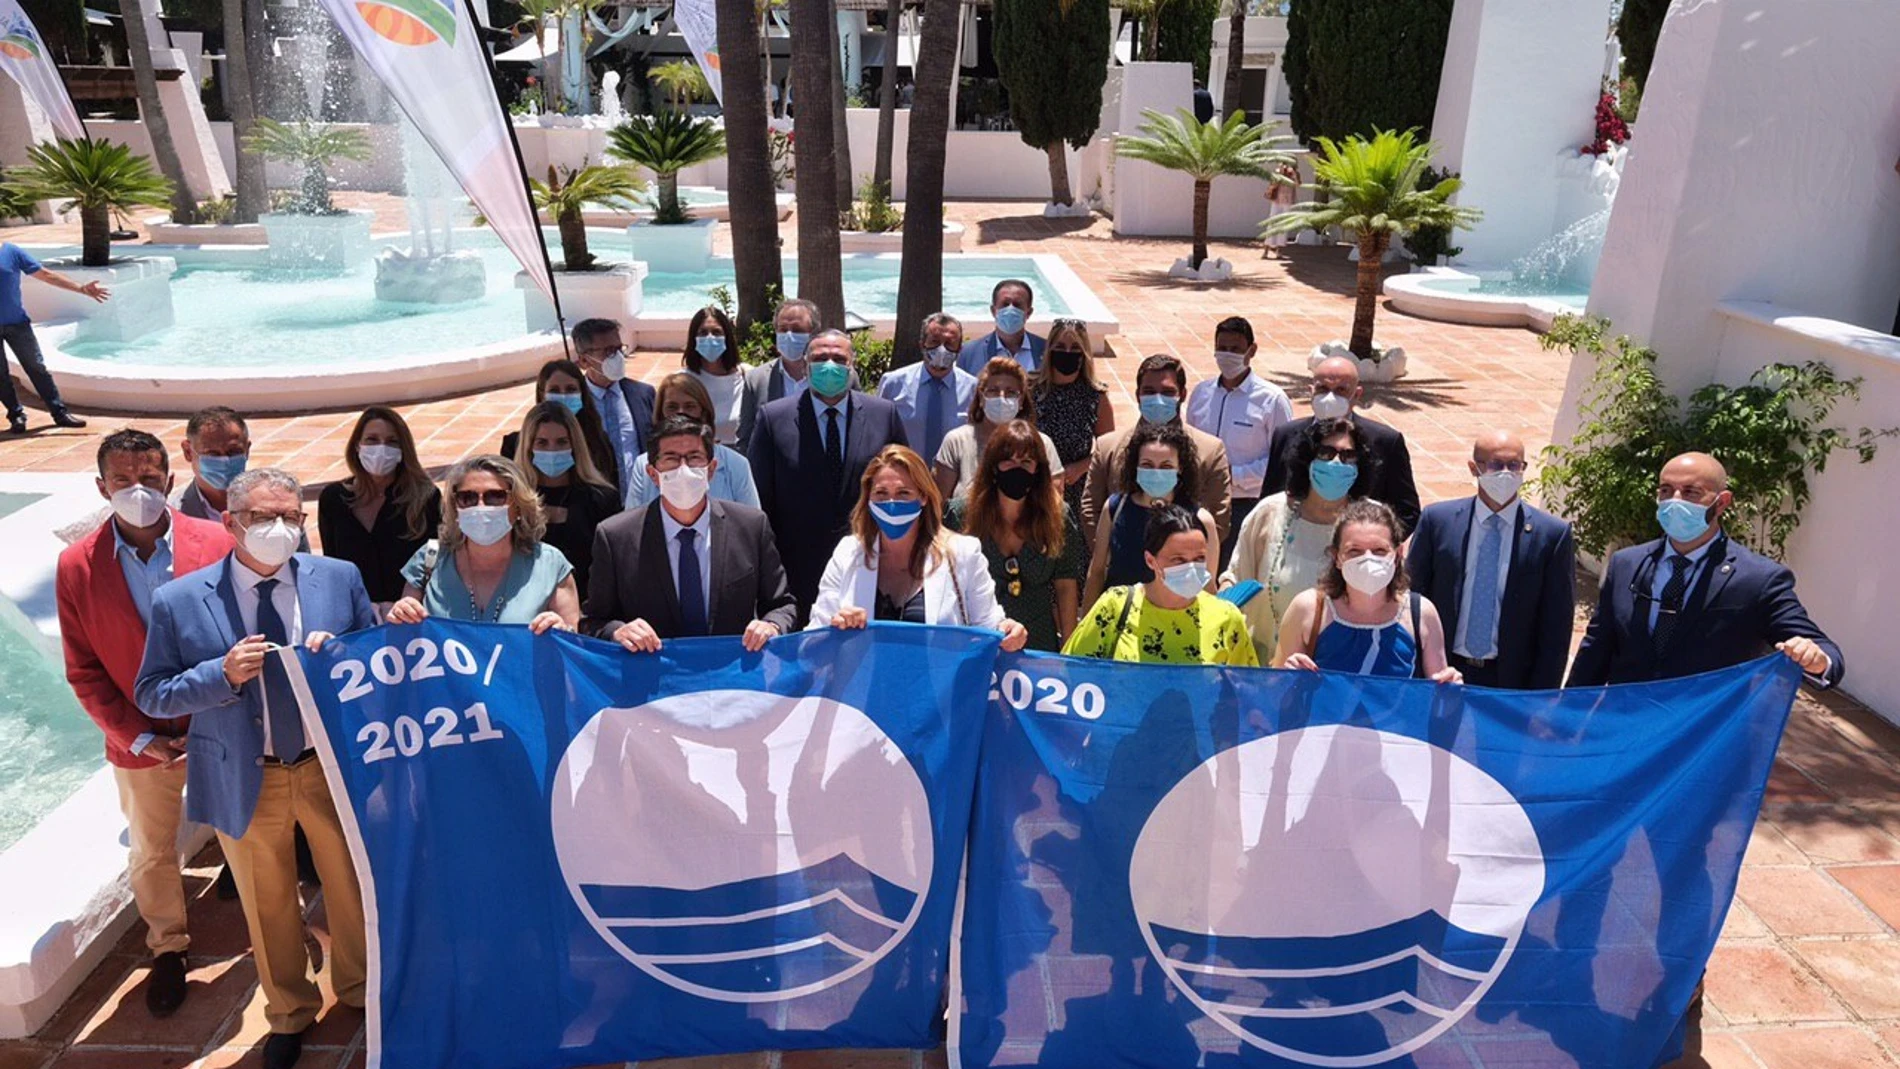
[
  {"x": 264, "y": 864},
  {"x": 153, "y": 801}
]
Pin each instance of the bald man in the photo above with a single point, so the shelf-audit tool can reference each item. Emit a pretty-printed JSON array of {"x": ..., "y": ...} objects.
[
  {"x": 1695, "y": 600},
  {"x": 1336, "y": 395},
  {"x": 1501, "y": 573}
]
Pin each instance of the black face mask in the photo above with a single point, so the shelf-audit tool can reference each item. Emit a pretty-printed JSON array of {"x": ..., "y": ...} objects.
[
  {"x": 1014, "y": 483},
  {"x": 1065, "y": 362}
]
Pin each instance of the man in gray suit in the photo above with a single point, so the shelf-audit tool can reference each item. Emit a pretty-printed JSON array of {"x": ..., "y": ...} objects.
[
  {"x": 793, "y": 326},
  {"x": 686, "y": 565}
]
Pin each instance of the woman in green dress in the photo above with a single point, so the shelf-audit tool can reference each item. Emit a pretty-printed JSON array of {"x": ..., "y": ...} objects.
[
  {"x": 1170, "y": 619},
  {"x": 1015, "y": 509}
]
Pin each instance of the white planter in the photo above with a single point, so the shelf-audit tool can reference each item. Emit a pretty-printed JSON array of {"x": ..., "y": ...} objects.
[
  {"x": 338, "y": 241},
  {"x": 615, "y": 292},
  {"x": 141, "y": 301},
  {"x": 1390, "y": 367},
  {"x": 674, "y": 247},
  {"x": 206, "y": 233},
  {"x": 446, "y": 279},
  {"x": 853, "y": 241},
  {"x": 1211, "y": 270}
]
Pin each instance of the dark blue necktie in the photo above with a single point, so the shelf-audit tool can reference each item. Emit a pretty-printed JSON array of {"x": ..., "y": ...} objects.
[
  {"x": 1670, "y": 612},
  {"x": 935, "y": 393},
  {"x": 280, "y": 702},
  {"x": 691, "y": 588}
]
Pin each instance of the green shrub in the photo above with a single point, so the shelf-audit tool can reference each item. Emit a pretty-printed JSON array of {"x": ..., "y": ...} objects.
[
  {"x": 758, "y": 345},
  {"x": 873, "y": 358},
  {"x": 873, "y": 212}
]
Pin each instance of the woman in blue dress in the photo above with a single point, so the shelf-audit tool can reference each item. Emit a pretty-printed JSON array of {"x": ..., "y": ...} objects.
[{"x": 1360, "y": 617}]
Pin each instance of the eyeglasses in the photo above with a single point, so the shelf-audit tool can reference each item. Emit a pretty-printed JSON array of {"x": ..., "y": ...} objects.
[
  {"x": 1015, "y": 572},
  {"x": 468, "y": 499},
  {"x": 254, "y": 517},
  {"x": 1333, "y": 452},
  {"x": 1068, "y": 323},
  {"x": 1003, "y": 391},
  {"x": 672, "y": 462},
  {"x": 1694, "y": 495},
  {"x": 1503, "y": 465}
]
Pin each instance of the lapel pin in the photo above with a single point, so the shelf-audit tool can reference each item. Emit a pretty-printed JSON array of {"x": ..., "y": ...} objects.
[{"x": 1727, "y": 568}]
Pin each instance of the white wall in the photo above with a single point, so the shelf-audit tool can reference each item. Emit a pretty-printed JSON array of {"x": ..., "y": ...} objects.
[
  {"x": 381, "y": 173},
  {"x": 1264, "y": 48},
  {"x": 1151, "y": 201}
]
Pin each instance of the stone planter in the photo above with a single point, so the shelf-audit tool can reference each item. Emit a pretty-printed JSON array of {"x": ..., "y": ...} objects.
[
  {"x": 447, "y": 279},
  {"x": 860, "y": 241},
  {"x": 337, "y": 241},
  {"x": 141, "y": 301},
  {"x": 207, "y": 234},
  {"x": 1212, "y": 269},
  {"x": 1390, "y": 367},
  {"x": 613, "y": 292},
  {"x": 674, "y": 247}
]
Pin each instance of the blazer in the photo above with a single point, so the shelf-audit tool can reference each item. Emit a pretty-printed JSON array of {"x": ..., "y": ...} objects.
[
  {"x": 195, "y": 622},
  {"x": 633, "y": 576},
  {"x": 977, "y": 352},
  {"x": 764, "y": 383},
  {"x": 1105, "y": 475},
  {"x": 1540, "y": 597},
  {"x": 103, "y": 638},
  {"x": 851, "y": 581},
  {"x": 1394, "y": 486},
  {"x": 809, "y": 510},
  {"x": 640, "y": 401},
  {"x": 1741, "y": 605}
]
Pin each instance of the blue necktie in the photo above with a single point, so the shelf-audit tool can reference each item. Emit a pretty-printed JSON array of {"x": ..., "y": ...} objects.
[
  {"x": 691, "y": 588},
  {"x": 933, "y": 415},
  {"x": 620, "y": 422},
  {"x": 1481, "y": 630},
  {"x": 286, "y": 724}
]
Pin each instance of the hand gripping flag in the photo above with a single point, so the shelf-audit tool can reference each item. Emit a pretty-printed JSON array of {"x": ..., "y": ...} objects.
[{"x": 24, "y": 58}]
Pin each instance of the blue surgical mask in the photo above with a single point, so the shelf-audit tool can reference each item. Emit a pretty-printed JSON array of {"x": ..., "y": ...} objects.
[
  {"x": 1010, "y": 319},
  {"x": 1332, "y": 479},
  {"x": 709, "y": 346},
  {"x": 1159, "y": 407},
  {"x": 569, "y": 401},
  {"x": 791, "y": 345},
  {"x": 217, "y": 472},
  {"x": 1185, "y": 580},
  {"x": 896, "y": 518},
  {"x": 554, "y": 463},
  {"x": 1684, "y": 521},
  {"x": 1157, "y": 482},
  {"x": 830, "y": 379}
]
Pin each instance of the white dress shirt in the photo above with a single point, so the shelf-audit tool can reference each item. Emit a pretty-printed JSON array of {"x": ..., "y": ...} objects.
[
  {"x": 904, "y": 388},
  {"x": 1244, "y": 419},
  {"x": 843, "y": 408},
  {"x": 1474, "y": 538},
  {"x": 284, "y": 597},
  {"x": 702, "y": 545}
]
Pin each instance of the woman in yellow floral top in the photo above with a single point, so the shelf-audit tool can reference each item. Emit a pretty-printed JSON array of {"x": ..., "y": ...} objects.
[{"x": 1171, "y": 619}]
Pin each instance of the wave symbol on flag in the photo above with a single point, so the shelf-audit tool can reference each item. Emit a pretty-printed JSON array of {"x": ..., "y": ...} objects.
[
  {"x": 17, "y": 40},
  {"x": 410, "y": 22}
]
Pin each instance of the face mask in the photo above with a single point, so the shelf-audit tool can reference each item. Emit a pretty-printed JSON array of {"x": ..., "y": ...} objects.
[
  {"x": 1682, "y": 520},
  {"x": 1230, "y": 364},
  {"x": 1065, "y": 362},
  {"x": 1330, "y": 406},
  {"x": 1157, "y": 482},
  {"x": 272, "y": 543},
  {"x": 484, "y": 525},
  {"x": 1332, "y": 479},
  {"x": 830, "y": 379},
  {"x": 217, "y": 472},
  {"x": 896, "y": 518},
  {"x": 1000, "y": 409},
  {"x": 379, "y": 459},
  {"x": 554, "y": 463},
  {"x": 684, "y": 487},
  {"x": 941, "y": 358},
  {"x": 1185, "y": 580},
  {"x": 1159, "y": 407},
  {"x": 709, "y": 346},
  {"x": 569, "y": 401},
  {"x": 1369, "y": 574},
  {"x": 1500, "y": 486},
  {"x": 1010, "y": 319},
  {"x": 138, "y": 506},
  {"x": 614, "y": 367},
  {"x": 791, "y": 346},
  {"x": 1014, "y": 483}
]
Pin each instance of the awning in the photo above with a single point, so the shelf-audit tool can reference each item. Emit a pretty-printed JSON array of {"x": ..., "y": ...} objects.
[
  {"x": 528, "y": 52},
  {"x": 100, "y": 18},
  {"x": 874, "y": 50}
]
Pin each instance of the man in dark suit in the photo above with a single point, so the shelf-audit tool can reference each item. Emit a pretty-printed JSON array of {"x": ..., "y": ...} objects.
[
  {"x": 808, "y": 456},
  {"x": 1501, "y": 574},
  {"x": 686, "y": 565},
  {"x": 626, "y": 405},
  {"x": 1336, "y": 393}
]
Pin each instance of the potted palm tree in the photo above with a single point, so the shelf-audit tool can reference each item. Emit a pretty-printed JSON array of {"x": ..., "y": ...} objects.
[
  {"x": 306, "y": 226},
  {"x": 1376, "y": 189},
  {"x": 1206, "y": 151},
  {"x": 589, "y": 288},
  {"x": 667, "y": 144}
]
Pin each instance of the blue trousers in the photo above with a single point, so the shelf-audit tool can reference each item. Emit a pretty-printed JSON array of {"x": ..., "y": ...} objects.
[{"x": 26, "y": 348}]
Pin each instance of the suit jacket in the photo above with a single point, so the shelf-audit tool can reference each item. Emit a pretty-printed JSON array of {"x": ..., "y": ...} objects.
[
  {"x": 195, "y": 622},
  {"x": 640, "y": 400},
  {"x": 851, "y": 582},
  {"x": 103, "y": 637},
  {"x": 809, "y": 509},
  {"x": 1741, "y": 605},
  {"x": 1540, "y": 598},
  {"x": 764, "y": 383},
  {"x": 633, "y": 577},
  {"x": 1105, "y": 477},
  {"x": 977, "y": 351},
  {"x": 1394, "y": 485}
]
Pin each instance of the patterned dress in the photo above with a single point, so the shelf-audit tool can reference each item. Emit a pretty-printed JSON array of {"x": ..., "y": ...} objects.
[
  {"x": 1066, "y": 413},
  {"x": 1028, "y": 593},
  {"x": 1207, "y": 631}
]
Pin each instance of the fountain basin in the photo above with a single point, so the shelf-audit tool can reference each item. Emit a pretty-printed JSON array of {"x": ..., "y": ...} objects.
[
  {"x": 855, "y": 241},
  {"x": 295, "y": 240},
  {"x": 673, "y": 248},
  {"x": 141, "y": 298},
  {"x": 1490, "y": 299},
  {"x": 613, "y": 292}
]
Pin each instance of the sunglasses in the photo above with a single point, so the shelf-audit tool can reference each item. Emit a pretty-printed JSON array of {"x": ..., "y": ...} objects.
[
  {"x": 1015, "y": 572},
  {"x": 1328, "y": 452},
  {"x": 468, "y": 499}
]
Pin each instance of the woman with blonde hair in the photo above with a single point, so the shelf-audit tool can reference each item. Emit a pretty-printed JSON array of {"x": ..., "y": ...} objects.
[
  {"x": 1002, "y": 394},
  {"x": 682, "y": 394},
  {"x": 575, "y": 497},
  {"x": 388, "y": 507},
  {"x": 1030, "y": 538},
  {"x": 900, "y": 564},
  {"x": 1072, "y": 408},
  {"x": 490, "y": 565}
]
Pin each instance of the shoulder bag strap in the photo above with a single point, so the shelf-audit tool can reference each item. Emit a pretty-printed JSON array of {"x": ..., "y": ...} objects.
[
  {"x": 1418, "y": 637},
  {"x": 950, "y": 562},
  {"x": 1121, "y": 622},
  {"x": 1319, "y": 622}
]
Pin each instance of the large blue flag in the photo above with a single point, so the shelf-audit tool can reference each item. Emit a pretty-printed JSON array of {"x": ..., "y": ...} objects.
[
  {"x": 572, "y": 855},
  {"x": 1175, "y": 867}
]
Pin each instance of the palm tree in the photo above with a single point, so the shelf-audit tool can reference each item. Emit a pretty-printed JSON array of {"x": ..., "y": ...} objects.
[
  {"x": 99, "y": 177},
  {"x": 252, "y": 195},
  {"x": 1373, "y": 189},
  {"x": 682, "y": 81},
  {"x": 1205, "y": 151},
  {"x": 757, "y": 269},
  {"x": 667, "y": 144},
  {"x": 814, "y": 65},
  {"x": 313, "y": 145},
  {"x": 138, "y": 47},
  {"x": 1236, "y": 49},
  {"x": 565, "y": 196},
  {"x": 887, "y": 95},
  {"x": 920, "y": 277}
]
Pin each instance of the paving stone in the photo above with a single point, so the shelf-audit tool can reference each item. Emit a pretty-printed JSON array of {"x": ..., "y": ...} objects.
[
  {"x": 1768, "y": 846},
  {"x": 1754, "y": 984},
  {"x": 1877, "y": 886},
  {"x": 1801, "y": 902},
  {"x": 848, "y": 1059},
  {"x": 1834, "y": 833},
  {"x": 216, "y": 992},
  {"x": 27, "y": 1054},
  {"x": 1818, "y": 1048},
  {"x": 1864, "y": 973}
]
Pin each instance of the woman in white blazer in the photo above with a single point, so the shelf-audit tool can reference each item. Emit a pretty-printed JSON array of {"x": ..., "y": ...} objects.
[{"x": 899, "y": 564}]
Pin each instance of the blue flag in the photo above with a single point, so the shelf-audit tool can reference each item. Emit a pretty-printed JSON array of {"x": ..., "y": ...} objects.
[
  {"x": 1174, "y": 867},
  {"x": 572, "y": 855}
]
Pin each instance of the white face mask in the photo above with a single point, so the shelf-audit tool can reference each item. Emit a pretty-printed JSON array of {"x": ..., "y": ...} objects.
[
  {"x": 684, "y": 487},
  {"x": 379, "y": 460},
  {"x": 1000, "y": 409},
  {"x": 941, "y": 358},
  {"x": 272, "y": 543},
  {"x": 1230, "y": 364},
  {"x": 484, "y": 525},
  {"x": 614, "y": 367},
  {"x": 1370, "y": 574},
  {"x": 138, "y": 506},
  {"x": 1330, "y": 406},
  {"x": 1185, "y": 580},
  {"x": 1500, "y": 486}
]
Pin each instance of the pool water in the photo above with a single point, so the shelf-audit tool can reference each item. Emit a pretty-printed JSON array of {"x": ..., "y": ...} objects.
[
  {"x": 48, "y": 746},
  {"x": 1571, "y": 296}
]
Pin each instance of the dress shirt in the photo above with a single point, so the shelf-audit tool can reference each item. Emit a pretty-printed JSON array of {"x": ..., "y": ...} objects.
[
  {"x": 1664, "y": 569},
  {"x": 1244, "y": 419},
  {"x": 908, "y": 389},
  {"x": 843, "y": 409},
  {"x": 284, "y": 596},
  {"x": 793, "y": 387},
  {"x": 618, "y": 420},
  {"x": 702, "y": 545},
  {"x": 142, "y": 577},
  {"x": 1473, "y": 539},
  {"x": 975, "y": 355}
]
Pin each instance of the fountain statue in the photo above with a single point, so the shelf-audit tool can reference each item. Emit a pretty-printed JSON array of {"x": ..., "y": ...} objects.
[
  {"x": 611, "y": 109},
  {"x": 430, "y": 272}
]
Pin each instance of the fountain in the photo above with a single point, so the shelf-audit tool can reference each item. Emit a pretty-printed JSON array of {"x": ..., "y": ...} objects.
[{"x": 431, "y": 271}]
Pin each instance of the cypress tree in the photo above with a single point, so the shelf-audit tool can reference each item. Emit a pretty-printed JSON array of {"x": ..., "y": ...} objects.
[
  {"x": 1296, "y": 70},
  {"x": 1637, "y": 28},
  {"x": 1357, "y": 65},
  {"x": 1186, "y": 34},
  {"x": 1052, "y": 56}
]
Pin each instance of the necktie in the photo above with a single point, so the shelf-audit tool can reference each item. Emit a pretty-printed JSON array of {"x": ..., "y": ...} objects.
[
  {"x": 1481, "y": 630},
  {"x": 1672, "y": 594},
  {"x": 280, "y": 704},
  {"x": 692, "y": 591},
  {"x": 935, "y": 393},
  {"x": 620, "y": 425},
  {"x": 834, "y": 443}
]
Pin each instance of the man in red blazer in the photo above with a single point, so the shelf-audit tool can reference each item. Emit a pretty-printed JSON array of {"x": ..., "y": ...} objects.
[{"x": 104, "y": 585}]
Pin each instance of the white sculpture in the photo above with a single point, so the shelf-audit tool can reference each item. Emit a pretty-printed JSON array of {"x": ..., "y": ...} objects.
[{"x": 610, "y": 106}]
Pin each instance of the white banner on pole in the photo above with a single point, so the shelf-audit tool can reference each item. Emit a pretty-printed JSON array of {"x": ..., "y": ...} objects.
[
  {"x": 700, "y": 27},
  {"x": 429, "y": 54},
  {"x": 25, "y": 59}
]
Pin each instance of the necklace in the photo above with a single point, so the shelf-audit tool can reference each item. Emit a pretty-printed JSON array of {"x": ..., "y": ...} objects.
[{"x": 495, "y": 603}]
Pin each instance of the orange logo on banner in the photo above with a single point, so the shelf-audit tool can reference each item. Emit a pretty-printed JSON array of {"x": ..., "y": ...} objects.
[{"x": 408, "y": 22}]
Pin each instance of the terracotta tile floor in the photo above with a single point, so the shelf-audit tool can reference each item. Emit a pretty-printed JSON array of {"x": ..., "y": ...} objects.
[{"x": 1808, "y": 972}]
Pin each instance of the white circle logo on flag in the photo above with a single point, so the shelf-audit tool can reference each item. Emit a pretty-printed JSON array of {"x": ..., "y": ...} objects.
[
  {"x": 743, "y": 846},
  {"x": 1337, "y": 895}
]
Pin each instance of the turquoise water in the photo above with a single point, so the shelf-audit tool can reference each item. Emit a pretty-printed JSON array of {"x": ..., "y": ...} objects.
[
  {"x": 1568, "y": 295},
  {"x": 48, "y": 746}
]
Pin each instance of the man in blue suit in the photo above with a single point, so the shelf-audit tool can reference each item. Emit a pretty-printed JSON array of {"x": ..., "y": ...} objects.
[
  {"x": 1011, "y": 304},
  {"x": 1500, "y": 572},
  {"x": 626, "y": 405},
  {"x": 253, "y": 775}
]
